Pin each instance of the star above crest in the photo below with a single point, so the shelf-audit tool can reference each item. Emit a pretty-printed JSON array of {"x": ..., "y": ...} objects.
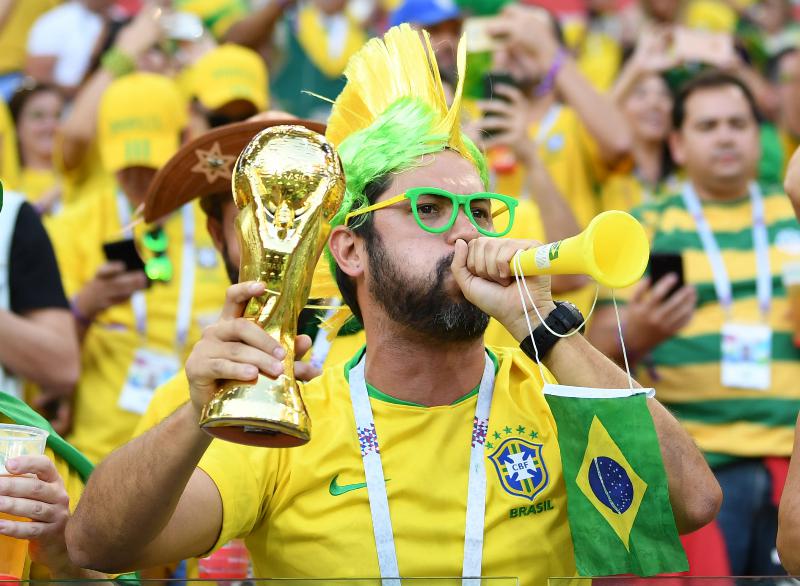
[{"x": 213, "y": 163}]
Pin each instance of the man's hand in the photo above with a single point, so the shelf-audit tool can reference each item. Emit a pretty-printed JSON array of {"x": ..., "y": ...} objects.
[
  {"x": 526, "y": 29},
  {"x": 43, "y": 499},
  {"x": 509, "y": 120},
  {"x": 236, "y": 348},
  {"x": 652, "y": 317},
  {"x": 481, "y": 269},
  {"x": 111, "y": 285}
]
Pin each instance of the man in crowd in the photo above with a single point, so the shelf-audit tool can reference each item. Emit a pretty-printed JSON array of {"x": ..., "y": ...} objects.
[
  {"x": 424, "y": 299},
  {"x": 136, "y": 318},
  {"x": 719, "y": 349},
  {"x": 33, "y": 306}
]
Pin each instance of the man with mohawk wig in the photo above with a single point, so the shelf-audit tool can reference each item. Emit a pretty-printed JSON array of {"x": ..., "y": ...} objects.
[{"x": 397, "y": 479}]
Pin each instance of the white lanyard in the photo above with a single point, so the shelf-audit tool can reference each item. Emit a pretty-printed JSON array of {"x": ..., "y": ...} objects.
[
  {"x": 186, "y": 294},
  {"x": 376, "y": 486},
  {"x": 722, "y": 282},
  {"x": 322, "y": 345}
]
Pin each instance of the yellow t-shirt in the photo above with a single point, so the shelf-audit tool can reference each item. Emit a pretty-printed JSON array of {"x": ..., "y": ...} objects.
[
  {"x": 14, "y": 34},
  {"x": 88, "y": 178},
  {"x": 34, "y": 183},
  {"x": 572, "y": 158},
  {"x": 625, "y": 191},
  {"x": 108, "y": 351},
  {"x": 298, "y": 524}
]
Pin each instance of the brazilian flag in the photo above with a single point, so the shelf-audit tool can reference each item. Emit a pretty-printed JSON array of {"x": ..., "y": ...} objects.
[{"x": 617, "y": 495}]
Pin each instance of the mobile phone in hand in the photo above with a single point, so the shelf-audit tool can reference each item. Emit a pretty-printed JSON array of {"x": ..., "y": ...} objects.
[
  {"x": 663, "y": 263},
  {"x": 125, "y": 252}
]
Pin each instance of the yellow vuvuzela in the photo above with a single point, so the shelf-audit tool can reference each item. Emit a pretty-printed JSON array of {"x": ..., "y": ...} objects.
[
  {"x": 613, "y": 250},
  {"x": 288, "y": 183}
]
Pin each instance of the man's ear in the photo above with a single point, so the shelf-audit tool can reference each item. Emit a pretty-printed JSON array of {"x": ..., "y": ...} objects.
[
  {"x": 676, "y": 148},
  {"x": 214, "y": 227},
  {"x": 348, "y": 251}
]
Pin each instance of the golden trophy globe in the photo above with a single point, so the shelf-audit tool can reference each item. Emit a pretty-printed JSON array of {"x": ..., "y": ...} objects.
[{"x": 287, "y": 183}]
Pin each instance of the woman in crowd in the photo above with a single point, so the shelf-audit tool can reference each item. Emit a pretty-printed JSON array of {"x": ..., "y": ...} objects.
[
  {"x": 36, "y": 110},
  {"x": 645, "y": 99}
]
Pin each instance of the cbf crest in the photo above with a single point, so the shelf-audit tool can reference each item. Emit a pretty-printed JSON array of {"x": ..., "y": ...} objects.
[{"x": 520, "y": 467}]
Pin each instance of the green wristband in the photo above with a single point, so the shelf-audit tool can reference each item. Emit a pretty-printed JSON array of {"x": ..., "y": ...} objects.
[{"x": 117, "y": 62}]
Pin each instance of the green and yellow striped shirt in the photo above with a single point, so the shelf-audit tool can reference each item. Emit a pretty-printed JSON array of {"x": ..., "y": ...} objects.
[{"x": 726, "y": 421}]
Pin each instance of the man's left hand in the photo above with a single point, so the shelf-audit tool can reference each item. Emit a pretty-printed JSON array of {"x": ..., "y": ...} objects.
[
  {"x": 42, "y": 498},
  {"x": 481, "y": 269}
]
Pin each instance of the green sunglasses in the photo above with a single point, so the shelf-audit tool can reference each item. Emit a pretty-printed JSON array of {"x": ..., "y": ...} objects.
[
  {"x": 159, "y": 266},
  {"x": 435, "y": 210}
]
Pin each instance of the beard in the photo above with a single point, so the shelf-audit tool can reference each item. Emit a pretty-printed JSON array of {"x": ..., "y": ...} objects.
[
  {"x": 422, "y": 305},
  {"x": 230, "y": 268}
]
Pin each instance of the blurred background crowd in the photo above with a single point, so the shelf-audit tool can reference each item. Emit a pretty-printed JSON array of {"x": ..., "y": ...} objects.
[{"x": 581, "y": 106}]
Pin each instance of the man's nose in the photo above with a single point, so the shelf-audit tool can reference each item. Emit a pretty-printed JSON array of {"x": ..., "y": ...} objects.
[{"x": 463, "y": 228}]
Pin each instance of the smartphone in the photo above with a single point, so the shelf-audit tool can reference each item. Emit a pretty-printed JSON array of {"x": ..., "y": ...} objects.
[
  {"x": 699, "y": 46},
  {"x": 663, "y": 263},
  {"x": 477, "y": 36},
  {"x": 124, "y": 251}
]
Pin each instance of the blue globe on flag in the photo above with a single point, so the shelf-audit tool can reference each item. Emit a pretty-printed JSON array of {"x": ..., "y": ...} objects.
[{"x": 611, "y": 484}]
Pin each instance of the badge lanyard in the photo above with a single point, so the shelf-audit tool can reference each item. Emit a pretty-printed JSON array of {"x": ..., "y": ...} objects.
[
  {"x": 722, "y": 282},
  {"x": 376, "y": 486},
  {"x": 138, "y": 302}
]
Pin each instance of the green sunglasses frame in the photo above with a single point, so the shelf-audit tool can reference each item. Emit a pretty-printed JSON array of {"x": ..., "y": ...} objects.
[{"x": 459, "y": 201}]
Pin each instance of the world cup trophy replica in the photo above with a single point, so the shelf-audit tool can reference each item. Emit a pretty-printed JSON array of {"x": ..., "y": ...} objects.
[{"x": 287, "y": 183}]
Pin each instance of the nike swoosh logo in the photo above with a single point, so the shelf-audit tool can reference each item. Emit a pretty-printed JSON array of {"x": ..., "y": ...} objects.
[{"x": 337, "y": 489}]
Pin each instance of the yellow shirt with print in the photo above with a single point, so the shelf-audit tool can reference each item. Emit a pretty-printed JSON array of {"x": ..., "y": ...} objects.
[
  {"x": 100, "y": 424},
  {"x": 304, "y": 512}
]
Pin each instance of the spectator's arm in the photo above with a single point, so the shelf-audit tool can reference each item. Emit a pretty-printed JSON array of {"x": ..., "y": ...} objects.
[
  {"x": 789, "y": 514},
  {"x": 598, "y": 113},
  {"x": 694, "y": 493},
  {"x": 257, "y": 28},
  {"x": 529, "y": 29},
  {"x": 6, "y": 8},
  {"x": 42, "y": 339},
  {"x": 43, "y": 329},
  {"x": 173, "y": 511},
  {"x": 80, "y": 127}
]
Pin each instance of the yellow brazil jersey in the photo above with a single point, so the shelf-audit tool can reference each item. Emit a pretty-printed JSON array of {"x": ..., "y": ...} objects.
[
  {"x": 112, "y": 341},
  {"x": 685, "y": 370},
  {"x": 304, "y": 512},
  {"x": 572, "y": 158}
]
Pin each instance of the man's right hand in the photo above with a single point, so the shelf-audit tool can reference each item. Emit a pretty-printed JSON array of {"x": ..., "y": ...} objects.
[
  {"x": 236, "y": 348},
  {"x": 111, "y": 285},
  {"x": 652, "y": 316}
]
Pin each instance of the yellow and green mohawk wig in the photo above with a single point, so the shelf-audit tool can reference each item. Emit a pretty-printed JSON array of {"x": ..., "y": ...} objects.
[{"x": 393, "y": 110}]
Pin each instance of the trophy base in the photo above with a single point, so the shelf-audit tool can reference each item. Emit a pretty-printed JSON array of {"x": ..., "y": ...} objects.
[{"x": 266, "y": 413}]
